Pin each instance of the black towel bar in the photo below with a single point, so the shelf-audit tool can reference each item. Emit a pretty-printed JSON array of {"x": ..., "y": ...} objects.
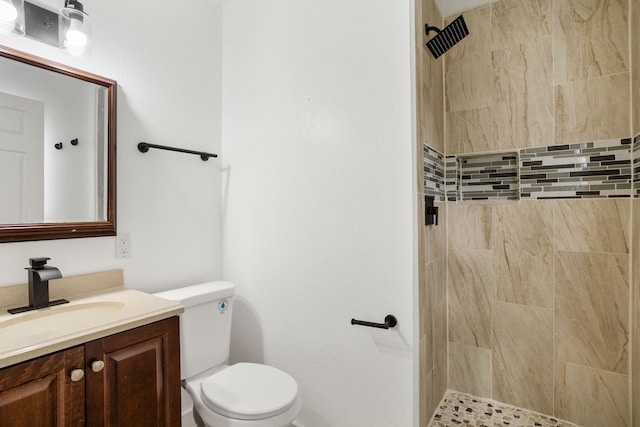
[
  {"x": 143, "y": 147},
  {"x": 389, "y": 322}
]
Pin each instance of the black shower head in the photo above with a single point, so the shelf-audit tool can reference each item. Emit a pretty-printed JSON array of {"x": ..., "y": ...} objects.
[{"x": 448, "y": 37}]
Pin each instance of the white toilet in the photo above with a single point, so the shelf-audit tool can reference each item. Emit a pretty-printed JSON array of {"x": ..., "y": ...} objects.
[{"x": 240, "y": 395}]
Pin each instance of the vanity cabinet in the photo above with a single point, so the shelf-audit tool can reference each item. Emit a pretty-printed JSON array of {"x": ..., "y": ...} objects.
[
  {"x": 139, "y": 385},
  {"x": 130, "y": 379},
  {"x": 41, "y": 393}
]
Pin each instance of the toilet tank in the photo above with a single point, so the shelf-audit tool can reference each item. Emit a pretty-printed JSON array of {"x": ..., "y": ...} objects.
[{"x": 205, "y": 325}]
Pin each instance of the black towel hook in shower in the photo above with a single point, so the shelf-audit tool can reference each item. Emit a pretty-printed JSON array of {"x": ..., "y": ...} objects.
[{"x": 389, "y": 322}]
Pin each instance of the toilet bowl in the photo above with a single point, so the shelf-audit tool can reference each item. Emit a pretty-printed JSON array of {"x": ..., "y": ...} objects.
[
  {"x": 245, "y": 394},
  {"x": 239, "y": 395},
  {"x": 188, "y": 418}
]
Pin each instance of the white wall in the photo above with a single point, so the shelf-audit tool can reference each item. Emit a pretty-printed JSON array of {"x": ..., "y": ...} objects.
[
  {"x": 317, "y": 202},
  {"x": 167, "y": 63}
]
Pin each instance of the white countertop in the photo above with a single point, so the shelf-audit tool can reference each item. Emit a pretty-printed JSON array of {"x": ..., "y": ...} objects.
[{"x": 88, "y": 316}]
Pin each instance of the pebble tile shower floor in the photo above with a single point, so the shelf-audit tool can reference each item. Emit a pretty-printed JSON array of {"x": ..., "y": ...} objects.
[{"x": 459, "y": 409}]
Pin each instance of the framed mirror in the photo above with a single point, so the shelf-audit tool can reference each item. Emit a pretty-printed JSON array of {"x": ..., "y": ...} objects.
[{"x": 57, "y": 150}]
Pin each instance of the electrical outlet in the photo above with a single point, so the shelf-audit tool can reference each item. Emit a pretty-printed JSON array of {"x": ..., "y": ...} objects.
[{"x": 123, "y": 245}]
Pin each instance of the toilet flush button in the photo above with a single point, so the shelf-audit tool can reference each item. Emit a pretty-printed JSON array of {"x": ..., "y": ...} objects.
[{"x": 222, "y": 306}]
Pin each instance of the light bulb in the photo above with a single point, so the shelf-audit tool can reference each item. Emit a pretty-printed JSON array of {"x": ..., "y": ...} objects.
[
  {"x": 8, "y": 12},
  {"x": 77, "y": 39},
  {"x": 75, "y": 36},
  {"x": 8, "y": 16}
]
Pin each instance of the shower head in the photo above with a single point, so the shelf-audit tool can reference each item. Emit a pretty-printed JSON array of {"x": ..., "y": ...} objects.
[{"x": 448, "y": 37}]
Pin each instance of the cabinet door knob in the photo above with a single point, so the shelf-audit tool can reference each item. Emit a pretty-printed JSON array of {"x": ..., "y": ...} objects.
[
  {"x": 77, "y": 375},
  {"x": 97, "y": 366}
]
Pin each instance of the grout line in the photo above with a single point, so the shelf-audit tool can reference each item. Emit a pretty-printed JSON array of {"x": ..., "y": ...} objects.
[
  {"x": 632, "y": 282},
  {"x": 554, "y": 410}
]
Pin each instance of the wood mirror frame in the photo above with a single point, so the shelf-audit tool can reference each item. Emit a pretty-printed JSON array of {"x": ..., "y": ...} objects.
[{"x": 71, "y": 230}]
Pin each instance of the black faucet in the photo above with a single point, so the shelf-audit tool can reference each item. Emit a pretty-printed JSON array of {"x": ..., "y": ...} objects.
[{"x": 39, "y": 275}]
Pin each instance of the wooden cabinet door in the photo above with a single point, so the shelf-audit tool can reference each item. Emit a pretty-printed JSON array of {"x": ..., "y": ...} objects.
[
  {"x": 140, "y": 383},
  {"x": 40, "y": 392}
]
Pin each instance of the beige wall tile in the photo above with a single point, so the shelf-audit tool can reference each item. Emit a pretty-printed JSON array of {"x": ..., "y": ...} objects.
[
  {"x": 432, "y": 240},
  {"x": 591, "y": 39},
  {"x": 419, "y": 4},
  {"x": 522, "y": 355},
  {"x": 514, "y": 22},
  {"x": 439, "y": 256},
  {"x": 424, "y": 112},
  {"x": 432, "y": 117},
  {"x": 419, "y": 151},
  {"x": 422, "y": 243},
  {"x": 437, "y": 94},
  {"x": 594, "y": 109},
  {"x": 594, "y": 398},
  {"x": 470, "y": 283},
  {"x": 433, "y": 234},
  {"x": 430, "y": 84},
  {"x": 440, "y": 356},
  {"x": 468, "y": 65},
  {"x": 592, "y": 310},
  {"x": 523, "y": 253},
  {"x": 470, "y": 370},
  {"x": 522, "y": 96},
  {"x": 469, "y": 226},
  {"x": 469, "y": 131},
  {"x": 427, "y": 397},
  {"x": 436, "y": 65},
  {"x": 422, "y": 136},
  {"x": 422, "y": 13},
  {"x": 592, "y": 225},
  {"x": 433, "y": 67},
  {"x": 426, "y": 327},
  {"x": 635, "y": 309},
  {"x": 635, "y": 53}
]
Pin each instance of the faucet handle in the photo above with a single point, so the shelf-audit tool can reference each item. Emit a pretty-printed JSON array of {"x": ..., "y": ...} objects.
[{"x": 38, "y": 263}]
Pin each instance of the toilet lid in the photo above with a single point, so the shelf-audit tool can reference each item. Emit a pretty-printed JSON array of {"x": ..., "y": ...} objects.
[{"x": 249, "y": 391}]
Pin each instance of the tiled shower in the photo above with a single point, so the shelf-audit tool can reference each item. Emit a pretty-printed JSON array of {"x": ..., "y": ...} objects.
[{"x": 528, "y": 140}]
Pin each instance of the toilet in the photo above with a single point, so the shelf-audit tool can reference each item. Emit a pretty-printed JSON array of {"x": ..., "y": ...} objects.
[{"x": 239, "y": 395}]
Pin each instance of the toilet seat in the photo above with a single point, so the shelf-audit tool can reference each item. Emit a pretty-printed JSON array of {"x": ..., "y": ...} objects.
[{"x": 249, "y": 391}]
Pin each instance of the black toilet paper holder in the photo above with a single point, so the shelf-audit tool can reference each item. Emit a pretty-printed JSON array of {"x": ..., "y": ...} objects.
[{"x": 389, "y": 322}]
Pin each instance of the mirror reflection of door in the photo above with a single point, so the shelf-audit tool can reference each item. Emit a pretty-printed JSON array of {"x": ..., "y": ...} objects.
[{"x": 21, "y": 160}]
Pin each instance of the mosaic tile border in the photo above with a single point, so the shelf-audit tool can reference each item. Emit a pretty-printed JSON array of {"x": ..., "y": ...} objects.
[
  {"x": 489, "y": 177},
  {"x": 433, "y": 165},
  {"x": 598, "y": 169},
  {"x": 452, "y": 179},
  {"x": 584, "y": 170},
  {"x": 635, "y": 157},
  {"x": 457, "y": 409}
]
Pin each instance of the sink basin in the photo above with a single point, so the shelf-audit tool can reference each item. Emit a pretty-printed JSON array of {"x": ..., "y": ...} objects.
[
  {"x": 91, "y": 315},
  {"x": 42, "y": 323}
]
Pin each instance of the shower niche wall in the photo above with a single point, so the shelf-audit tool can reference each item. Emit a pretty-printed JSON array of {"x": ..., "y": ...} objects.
[{"x": 483, "y": 177}]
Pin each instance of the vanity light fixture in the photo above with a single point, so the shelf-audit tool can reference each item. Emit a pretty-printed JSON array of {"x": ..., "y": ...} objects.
[{"x": 69, "y": 30}]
